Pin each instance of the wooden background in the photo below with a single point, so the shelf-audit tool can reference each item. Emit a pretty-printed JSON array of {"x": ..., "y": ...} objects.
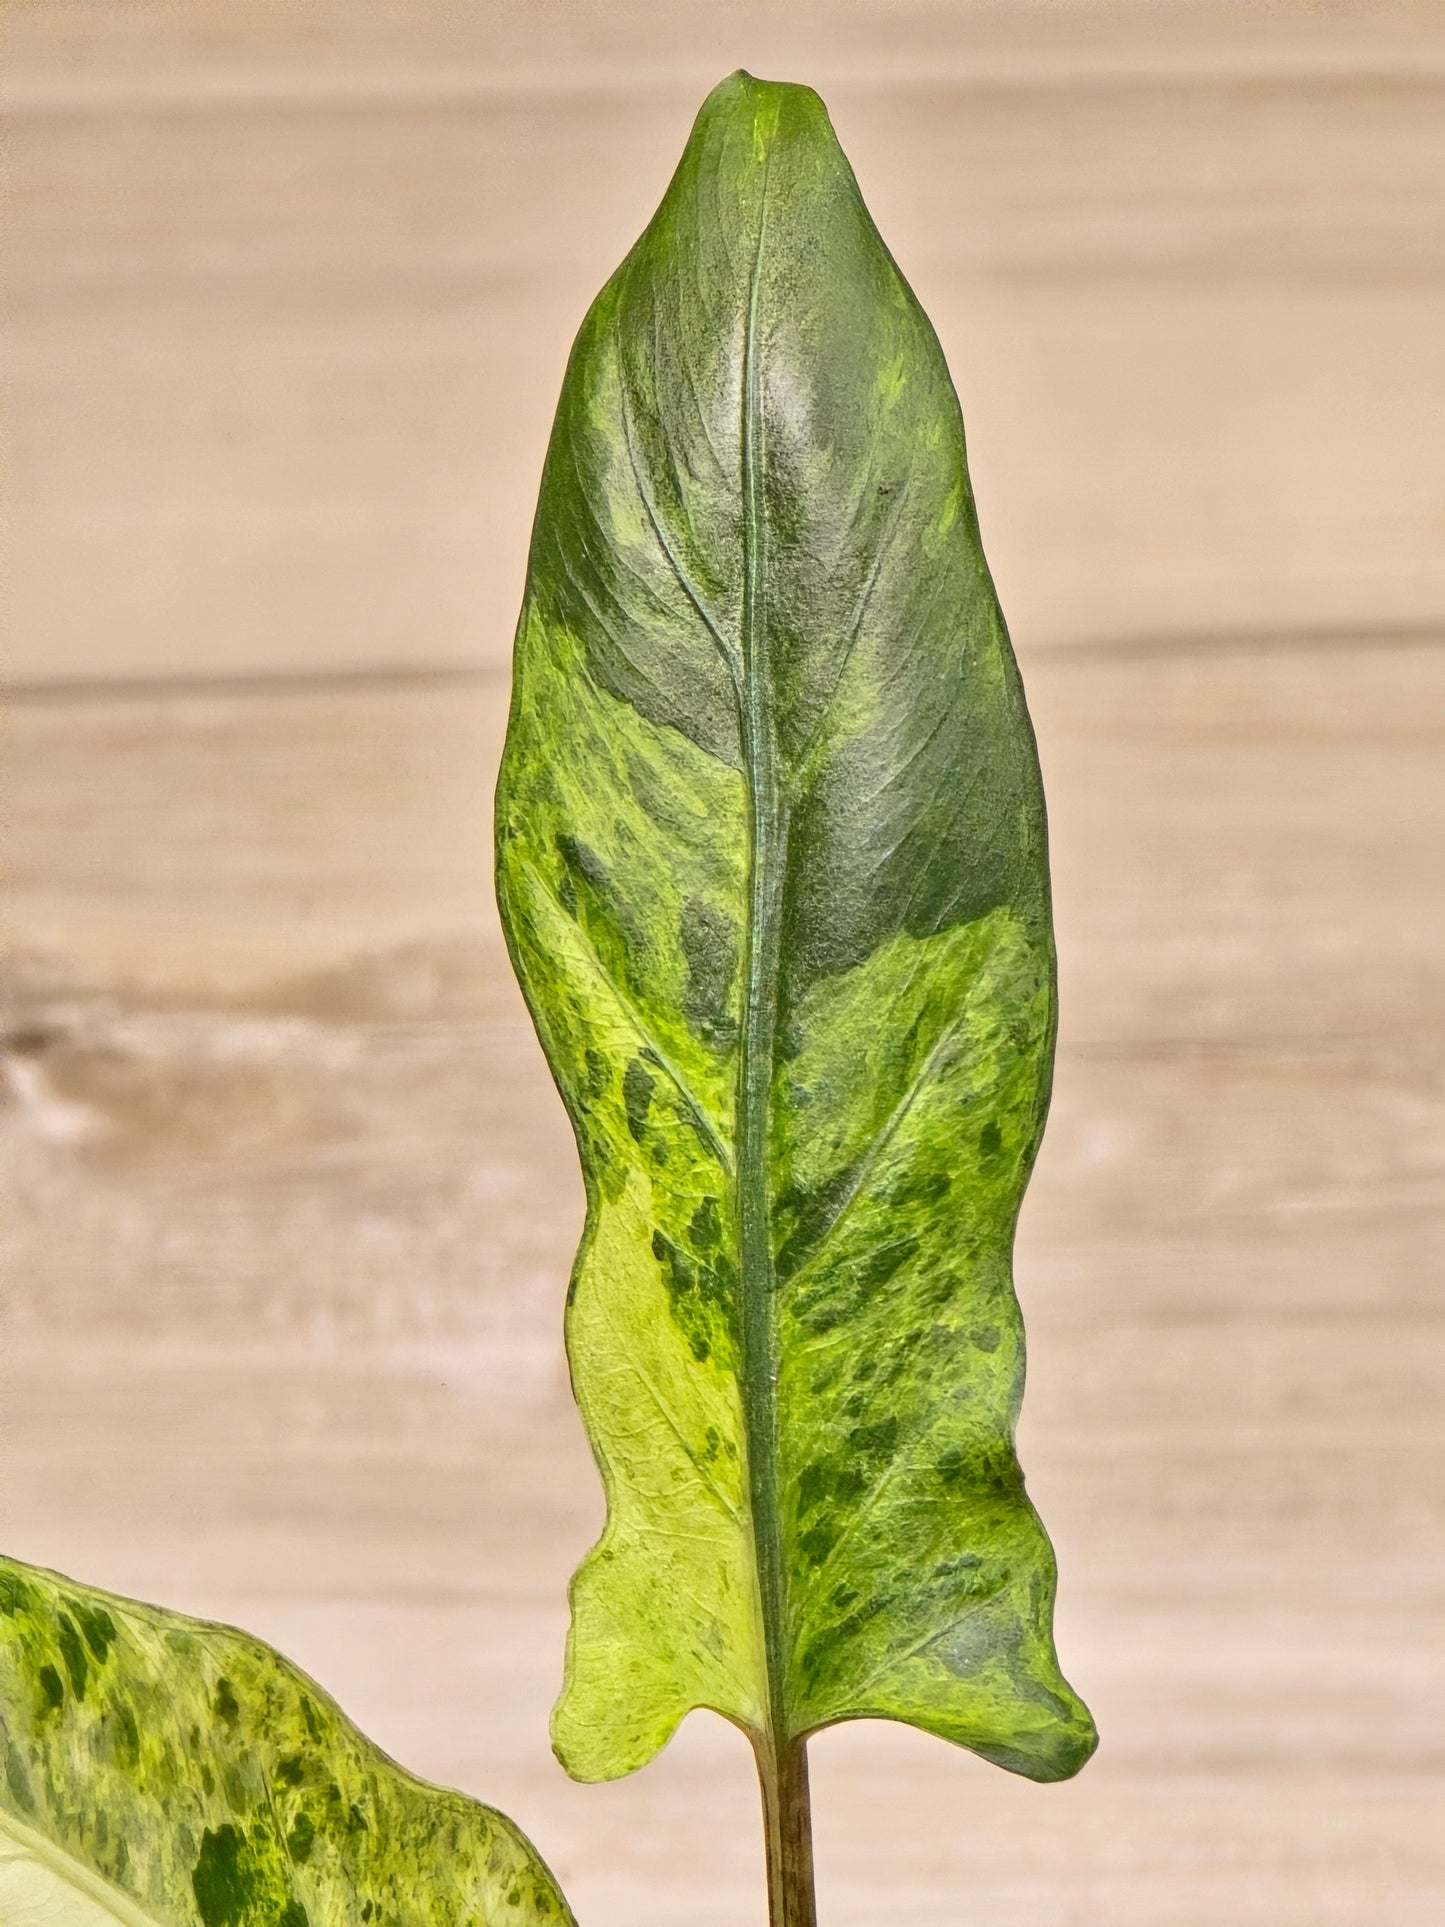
[{"x": 290, "y": 1201}]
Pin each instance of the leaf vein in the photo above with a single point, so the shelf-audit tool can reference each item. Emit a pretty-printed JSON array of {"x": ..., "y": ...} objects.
[
  {"x": 684, "y": 581},
  {"x": 882, "y": 1139},
  {"x": 703, "y": 1476},
  {"x": 650, "y": 1044}
]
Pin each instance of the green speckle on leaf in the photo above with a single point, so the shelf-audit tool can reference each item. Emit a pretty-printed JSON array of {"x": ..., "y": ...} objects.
[
  {"x": 194, "y": 1773},
  {"x": 72, "y": 1652},
  {"x": 17, "y": 1785},
  {"x": 98, "y": 1627},
  {"x": 709, "y": 942},
  {"x": 223, "y": 1883},
  {"x": 637, "y": 1089}
]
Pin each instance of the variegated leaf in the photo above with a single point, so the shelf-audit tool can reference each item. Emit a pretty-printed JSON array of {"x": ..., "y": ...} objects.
[
  {"x": 160, "y": 1771},
  {"x": 772, "y": 865}
]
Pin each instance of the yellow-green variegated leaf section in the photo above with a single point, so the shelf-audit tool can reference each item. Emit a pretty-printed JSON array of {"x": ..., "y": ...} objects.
[
  {"x": 160, "y": 1771},
  {"x": 772, "y": 865}
]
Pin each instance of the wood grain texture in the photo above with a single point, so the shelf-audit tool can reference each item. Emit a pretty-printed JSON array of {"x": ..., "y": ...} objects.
[
  {"x": 289, "y": 1197},
  {"x": 290, "y": 289}
]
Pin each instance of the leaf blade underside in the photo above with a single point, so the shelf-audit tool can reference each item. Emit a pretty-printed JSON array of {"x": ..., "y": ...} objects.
[
  {"x": 163, "y": 1771},
  {"x": 772, "y": 865}
]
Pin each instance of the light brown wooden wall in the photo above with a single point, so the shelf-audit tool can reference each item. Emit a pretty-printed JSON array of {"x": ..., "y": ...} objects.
[
  {"x": 288, "y": 1200},
  {"x": 291, "y": 288}
]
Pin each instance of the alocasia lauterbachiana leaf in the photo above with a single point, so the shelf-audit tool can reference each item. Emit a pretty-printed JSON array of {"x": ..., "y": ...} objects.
[
  {"x": 772, "y": 864},
  {"x": 165, "y": 1772}
]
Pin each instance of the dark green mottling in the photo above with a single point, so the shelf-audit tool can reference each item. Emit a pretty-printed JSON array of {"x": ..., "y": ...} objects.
[
  {"x": 772, "y": 856},
  {"x": 207, "y": 1783},
  {"x": 229, "y": 1885},
  {"x": 637, "y": 1089}
]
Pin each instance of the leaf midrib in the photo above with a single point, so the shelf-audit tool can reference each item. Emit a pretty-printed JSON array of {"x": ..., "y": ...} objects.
[{"x": 767, "y": 833}]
